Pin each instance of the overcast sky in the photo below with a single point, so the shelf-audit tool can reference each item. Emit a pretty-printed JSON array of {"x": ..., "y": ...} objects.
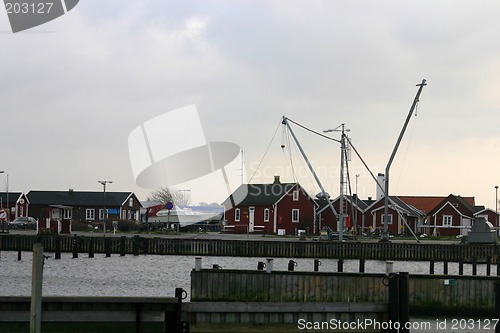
[{"x": 72, "y": 90}]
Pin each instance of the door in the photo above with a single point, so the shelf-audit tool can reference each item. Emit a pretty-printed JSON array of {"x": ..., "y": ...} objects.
[{"x": 251, "y": 218}]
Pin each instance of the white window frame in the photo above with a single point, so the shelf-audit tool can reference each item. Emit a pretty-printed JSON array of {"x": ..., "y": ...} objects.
[
  {"x": 89, "y": 214},
  {"x": 295, "y": 195},
  {"x": 295, "y": 215},
  {"x": 237, "y": 215},
  {"x": 447, "y": 220},
  {"x": 267, "y": 214},
  {"x": 67, "y": 213},
  {"x": 388, "y": 222},
  {"x": 101, "y": 214}
]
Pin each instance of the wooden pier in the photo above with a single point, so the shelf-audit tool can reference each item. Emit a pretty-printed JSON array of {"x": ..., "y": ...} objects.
[
  {"x": 238, "y": 298},
  {"x": 250, "y": 248},
  {"x": 93, "y": 314}
]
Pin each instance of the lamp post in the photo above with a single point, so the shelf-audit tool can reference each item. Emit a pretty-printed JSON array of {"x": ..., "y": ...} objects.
[
  {"x": 496, "y": 205},
  {"x": 104, "y": 214},
  {"x": 7, "y": 196},
  {"x": 356, "y": 211},
  {"x": 185, "y": 196}
]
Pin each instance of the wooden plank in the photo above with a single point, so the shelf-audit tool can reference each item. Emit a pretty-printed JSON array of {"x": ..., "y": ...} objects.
[{"x": 279, "y": 307}]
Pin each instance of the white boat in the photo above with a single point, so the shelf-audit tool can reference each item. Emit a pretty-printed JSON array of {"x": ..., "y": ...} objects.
[{"x": 183, "y": 216}]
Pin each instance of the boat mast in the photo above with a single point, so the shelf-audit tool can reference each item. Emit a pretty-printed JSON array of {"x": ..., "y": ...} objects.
[{"x": 385, "y": 234}]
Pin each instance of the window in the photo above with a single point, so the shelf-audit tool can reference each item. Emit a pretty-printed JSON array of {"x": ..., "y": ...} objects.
[
  {"x": 67, "y": 214},
  {"x": 447, "y": 220},
  {"x": 295, "y": 215},
  {"x": 295, "y": 195},
  {"x": 131, "y": 202},
  {"x": 101, "y": 214},
  {"x": 266, "y": 215},
  {"x": 389, "y": 219},
  {"x": 237, "y": 215},
  {"x": 90, "y": 214}
]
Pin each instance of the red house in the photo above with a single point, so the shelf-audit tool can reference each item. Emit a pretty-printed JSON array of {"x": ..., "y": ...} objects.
[
  {"x": 13, "y": 204},
  {"x": 401, "y": 216},
  {"x": 277, "y": 208},
  {"x": 451, "y": 217},
  {"x": 355, "y": 216}
]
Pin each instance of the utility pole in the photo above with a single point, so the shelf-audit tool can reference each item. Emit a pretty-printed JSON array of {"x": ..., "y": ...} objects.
[
  {"x": 343, "y": 174},
  {"x": 104, "y": 214},
  {"x": 385, "y": 234}
]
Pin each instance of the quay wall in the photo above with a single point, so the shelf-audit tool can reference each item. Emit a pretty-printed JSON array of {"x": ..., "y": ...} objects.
[
  {"x": 428, "y": 294},
  {"x": 251, "y": 248}
]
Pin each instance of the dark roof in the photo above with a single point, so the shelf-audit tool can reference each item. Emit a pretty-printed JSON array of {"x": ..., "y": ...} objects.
[
  {"x": 77, "y": 198},
  {"x": 465, "y": 206},
  {"x": 13, "y": 196},
  {"x": 258, "y": 194}
]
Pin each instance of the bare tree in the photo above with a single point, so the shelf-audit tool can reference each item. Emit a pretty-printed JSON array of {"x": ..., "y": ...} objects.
[{"x": 165, "y": 194}]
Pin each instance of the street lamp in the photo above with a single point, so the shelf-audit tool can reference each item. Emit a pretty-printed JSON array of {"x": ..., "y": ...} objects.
[
  {"x": 185, "y": 196},
  {"x": 356, "y": 211},
  {"x": 7, "y": 196},
  {"x": 104, "y": 214},
  {"x": 496, "y": 205}
]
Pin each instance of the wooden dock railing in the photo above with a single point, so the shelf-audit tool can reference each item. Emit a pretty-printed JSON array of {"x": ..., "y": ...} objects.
[{"x": 251, "y": 248}]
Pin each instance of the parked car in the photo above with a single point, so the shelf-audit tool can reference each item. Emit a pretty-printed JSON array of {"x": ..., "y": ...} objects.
[{"x": 23, "y": 223}]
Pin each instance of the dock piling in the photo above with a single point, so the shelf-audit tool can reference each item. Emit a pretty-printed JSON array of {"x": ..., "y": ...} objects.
[
  {"x": 317, "y": 263},
  {"x": 361, "y": 265},
  {"x": 91, "y": 247},
  {"x": 340, "y": 265}
]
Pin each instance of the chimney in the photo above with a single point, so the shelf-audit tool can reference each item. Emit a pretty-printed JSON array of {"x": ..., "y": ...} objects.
[
  {"x": 381, "y": 182},
  {"x": 276, "y": 180},
  {"x": 71, "y": 191}
]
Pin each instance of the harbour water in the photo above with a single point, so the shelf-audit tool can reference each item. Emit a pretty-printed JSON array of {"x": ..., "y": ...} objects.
[{"x": 152, "y": 275}]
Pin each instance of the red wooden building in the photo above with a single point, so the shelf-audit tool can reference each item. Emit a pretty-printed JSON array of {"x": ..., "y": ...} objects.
[{"x": 277, "y": 208}]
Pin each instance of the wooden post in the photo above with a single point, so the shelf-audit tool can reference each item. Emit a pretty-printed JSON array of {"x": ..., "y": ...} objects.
[
  {"x": 498, "y": 269},
  {"x": 291, "y": 265},
  {"x": 18, "y": 247},
  {"x": 75, "y": 246},
  {"x": 145, "y": 245},
  {"x": 460, "y": 266},
  {"x": 474, "y": 265},
  {"x": 122, "y": 245},
  {"x": 36, "y": 289},
  {"x": 180, "y": 294},
  {"x": 404, "y": 303},
  {"x": 340, "y": 265},
  {"x": 497, "y": 304},
  {"x": 135, "y": 245},
  {"x": 431, "y": 267},
  {"x": 393, "y": 300},
  {"x": 361, "y": 265},
  {"x": 107, "y": 246},
  {"x": 317, "y": 263},
  {"x": 488, "y": 265},
  {"x": 445, "y": 267},
  {"x": 57, "y": 254},
  {"x": 91, "y": 247}
]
